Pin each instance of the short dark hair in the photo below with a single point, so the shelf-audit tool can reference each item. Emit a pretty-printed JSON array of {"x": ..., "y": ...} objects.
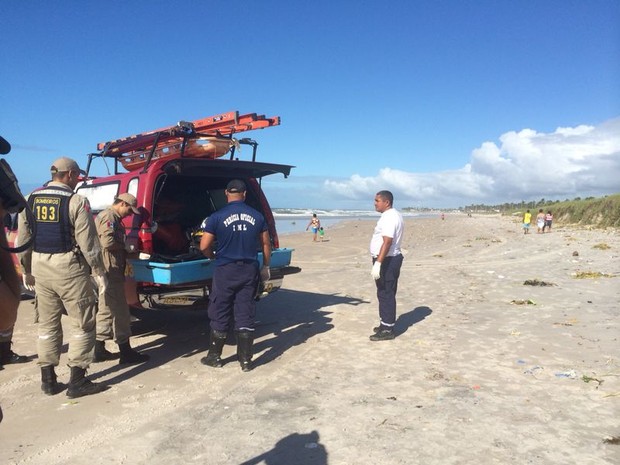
[{"x": 386, "y": 195}]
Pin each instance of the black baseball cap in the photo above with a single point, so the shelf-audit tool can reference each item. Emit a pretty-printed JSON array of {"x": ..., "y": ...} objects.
[
  {"x": 235, "y": 186},
  {"x": 5, "y": 147}
]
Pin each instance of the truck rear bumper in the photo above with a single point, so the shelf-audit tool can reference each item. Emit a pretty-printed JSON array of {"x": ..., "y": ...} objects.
[{"x": 197, "y": 294}]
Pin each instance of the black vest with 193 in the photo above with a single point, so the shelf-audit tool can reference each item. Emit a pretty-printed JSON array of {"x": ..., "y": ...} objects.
[{"x": 50, "y": 207}]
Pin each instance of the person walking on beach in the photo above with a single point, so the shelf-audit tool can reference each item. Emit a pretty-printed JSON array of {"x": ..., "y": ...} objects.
[
  {"x": 527, "y": 219},
  {"x": 239, "y": 231},
  {"x": 315, "y": 223},
  {"x": 386, "y": 262},
  {"x": 548, "y": 221},
  {"x": 65, "y": 251},
  {"x": 540, "y": 221},
  {"x": 113, "y": 316}
]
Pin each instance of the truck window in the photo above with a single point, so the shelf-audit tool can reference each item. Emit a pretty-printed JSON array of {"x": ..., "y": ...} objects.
[
  {"x": 132, "y": 187},
  {"x": 100, "y": 196}
]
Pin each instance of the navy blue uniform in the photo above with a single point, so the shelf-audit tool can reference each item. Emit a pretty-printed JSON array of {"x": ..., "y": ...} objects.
[
  {"x": 50, "y": 206},
  {"x": 237, "y": 228}
]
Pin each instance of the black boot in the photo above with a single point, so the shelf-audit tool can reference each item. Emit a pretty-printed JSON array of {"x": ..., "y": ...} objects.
[
  {"x": 80, "y": 386},
  {"x": 130, "y": 356},
  {"x": 101, "y": 353},
  {"x": 383, "y": 334},
  {"x": 7, "y": 356},
  {"x": 378, "y": 329},
  {"x": 49, "y": 385},
  {"x": 217, "y": 339},
  {"x": 245, "y": 341}
]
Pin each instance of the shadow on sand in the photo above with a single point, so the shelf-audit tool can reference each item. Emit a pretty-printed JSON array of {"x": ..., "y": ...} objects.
[
  {"x": 298, "y": 449},
  {"x": 289, "y": 317},
  {"x": 407, "y": 320}
]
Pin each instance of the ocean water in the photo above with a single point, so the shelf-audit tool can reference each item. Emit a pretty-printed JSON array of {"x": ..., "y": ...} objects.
[
  {"x": 290, "y": 221},
  {"x": 291, "y": 224}
]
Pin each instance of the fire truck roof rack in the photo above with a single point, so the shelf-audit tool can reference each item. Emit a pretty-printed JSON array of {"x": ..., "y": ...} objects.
[{"x": 209, "y": 137}]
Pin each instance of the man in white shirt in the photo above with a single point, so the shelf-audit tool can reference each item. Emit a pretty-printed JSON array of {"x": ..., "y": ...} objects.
[{"x": 386, "y": 262}]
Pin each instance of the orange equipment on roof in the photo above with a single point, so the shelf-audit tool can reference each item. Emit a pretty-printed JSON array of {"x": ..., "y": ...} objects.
[{"x": 209, "y": 137}]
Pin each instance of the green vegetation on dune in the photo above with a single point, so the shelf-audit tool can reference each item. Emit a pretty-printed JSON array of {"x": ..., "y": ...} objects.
[{"x": 600, "y": 212}]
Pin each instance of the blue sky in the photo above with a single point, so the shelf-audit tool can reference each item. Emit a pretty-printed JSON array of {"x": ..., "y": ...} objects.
[{"x": 446, "y": 103}]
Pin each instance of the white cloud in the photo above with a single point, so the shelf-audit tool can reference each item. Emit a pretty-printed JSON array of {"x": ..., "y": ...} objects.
[{"x": 569, "y": 162}]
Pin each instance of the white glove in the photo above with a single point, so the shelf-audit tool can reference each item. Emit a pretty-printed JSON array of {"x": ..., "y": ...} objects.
[
  {"x": 102, "y": 282},
  {"x": 28, "y": 280},
  {"x": 265, "y": 273},
  {"x": 376, "y": 270}
]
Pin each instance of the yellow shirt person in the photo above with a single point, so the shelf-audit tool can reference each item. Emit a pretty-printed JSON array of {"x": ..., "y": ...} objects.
[{"x": 527, "y": 219}]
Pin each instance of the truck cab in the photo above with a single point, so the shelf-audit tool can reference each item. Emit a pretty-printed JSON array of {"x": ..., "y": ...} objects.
[{"x": 178, "y": 176}]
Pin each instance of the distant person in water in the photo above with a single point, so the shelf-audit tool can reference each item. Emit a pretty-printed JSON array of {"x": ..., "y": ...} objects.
[{"x": 315, "y": 224}]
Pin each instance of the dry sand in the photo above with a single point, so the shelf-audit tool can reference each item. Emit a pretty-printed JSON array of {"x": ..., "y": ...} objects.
[{"x": 470, "y": 378}]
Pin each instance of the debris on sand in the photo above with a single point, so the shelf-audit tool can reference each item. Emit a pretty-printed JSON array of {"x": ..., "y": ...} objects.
[
  {"x": 536, "y": 282},
  {"x": 591, "y": 275},
  {"x": 615, "y": 440},
  {"x": 587, "y": 379}
]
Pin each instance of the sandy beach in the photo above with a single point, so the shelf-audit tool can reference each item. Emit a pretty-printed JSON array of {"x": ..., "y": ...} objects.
[{"x": 484, "y": 369}]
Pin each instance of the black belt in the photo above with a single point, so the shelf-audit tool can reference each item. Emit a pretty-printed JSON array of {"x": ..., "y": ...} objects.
[{"x": 374, "y": 257}]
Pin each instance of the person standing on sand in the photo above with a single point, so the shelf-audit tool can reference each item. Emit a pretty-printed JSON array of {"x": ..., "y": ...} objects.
[
  {"x": 527, "y": 219},
  {"x": 316, "y": 225},
  {"x": 540, "y": 221},
  {"x": 240, "y": 232},
  {"x": 65, "y": 251},
  {"x": 8, "y": 280},
  {"x": 113, "y": 316},
  {"x": 10, "y": 291},
  {"x": 386, "y": 263},
  {"x": 548, "y": 221}
]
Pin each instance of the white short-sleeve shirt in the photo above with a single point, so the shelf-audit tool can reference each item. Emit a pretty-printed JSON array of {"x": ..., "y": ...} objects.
[{"x": 390, "y": 224}]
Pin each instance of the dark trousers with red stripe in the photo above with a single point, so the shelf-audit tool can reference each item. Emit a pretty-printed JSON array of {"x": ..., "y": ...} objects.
[
  {"x": 232, "y": 295},
  {"x": 387, "y": 285}
]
